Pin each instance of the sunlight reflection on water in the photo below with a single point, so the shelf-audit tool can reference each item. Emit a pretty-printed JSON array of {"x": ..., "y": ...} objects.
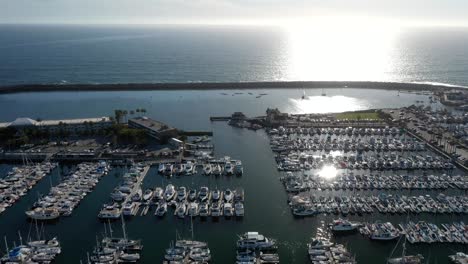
[
  {"x": 328, "y": 172},
  {"x": 328, "y": 104}
]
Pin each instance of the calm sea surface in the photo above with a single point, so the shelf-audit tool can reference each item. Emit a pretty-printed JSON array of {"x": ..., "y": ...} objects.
[
  {"x": 122, "y": 54},
  {"x": 266, "y": 207}
]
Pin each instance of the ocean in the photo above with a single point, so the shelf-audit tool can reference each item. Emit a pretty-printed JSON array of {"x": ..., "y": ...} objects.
[{"x": 47, "y": 54}]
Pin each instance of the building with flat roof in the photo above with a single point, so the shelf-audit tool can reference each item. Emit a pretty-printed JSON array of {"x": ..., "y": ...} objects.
[
  {"x": 55, "y": 126},
  {"x": 153, "y": 128}
]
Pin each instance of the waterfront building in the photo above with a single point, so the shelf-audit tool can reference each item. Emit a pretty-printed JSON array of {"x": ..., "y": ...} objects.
[
  {"x": 153, "y": 128},
  {"x": 66, "y": 125}
]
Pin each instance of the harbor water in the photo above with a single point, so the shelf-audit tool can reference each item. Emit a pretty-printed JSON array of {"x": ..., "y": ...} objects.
[{"x": 266, "y": 208}]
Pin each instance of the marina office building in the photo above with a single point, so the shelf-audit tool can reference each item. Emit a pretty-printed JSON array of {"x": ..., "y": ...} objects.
[
  {"x": 55, "y": 126},
  {"x": 153, "y": 128}
]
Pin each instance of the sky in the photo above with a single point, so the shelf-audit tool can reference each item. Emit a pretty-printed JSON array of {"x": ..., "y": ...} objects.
[{"x": 418, "y": 12}]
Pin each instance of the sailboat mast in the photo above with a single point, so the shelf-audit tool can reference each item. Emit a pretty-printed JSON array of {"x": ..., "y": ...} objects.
[
  {"x": 20, "y": 238},
  {"x": 6, "y": 244},
  {"x": 191, "y": 225},
  {"x": 105, "y": 230},
  {"x": 37, "y": 231},
  {"x": 123, "y": 227},
  {"x": 110, "y": 228}
]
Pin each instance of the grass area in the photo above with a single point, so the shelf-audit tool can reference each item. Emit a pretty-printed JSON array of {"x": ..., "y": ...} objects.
[{"x": 358, "y": 115}]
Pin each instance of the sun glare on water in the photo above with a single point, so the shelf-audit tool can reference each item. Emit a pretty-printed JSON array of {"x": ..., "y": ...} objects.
[
  {"x": 327, "y": 104},
  {"x": 340, "y": 51},
  {"x": 328, "y": 172}
]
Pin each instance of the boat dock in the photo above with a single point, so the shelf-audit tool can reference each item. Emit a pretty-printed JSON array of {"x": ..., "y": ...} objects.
[
  {"x": 20, "y": 180},
  {"x": 135, "y": 189},
  {"x": 66, "y": 196},
  {"x": 219, "y": 118}
]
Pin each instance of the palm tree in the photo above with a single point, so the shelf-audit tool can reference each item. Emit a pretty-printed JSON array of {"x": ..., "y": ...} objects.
[
  {"x": 125, "y": 113},
  {"x": 118, "y": 115}
]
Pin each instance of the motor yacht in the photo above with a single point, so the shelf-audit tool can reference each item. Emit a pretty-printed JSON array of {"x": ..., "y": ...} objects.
[
  {"x": 109, "y": 212},
  {"x": 181, "y": 210},
  {"x": 161, "y": 168},
  {"x": 147, "y": 195},
  {"x": 228, "y": 168},
  {"x": 161, "y": 209},
  {"x": 207, "y": 169},
  {"x": 189, "y": 168},
  {"x": 182, "y": 194},
  {"x": 193, "y": 209},
  {"x": 128, "y": 208},
  {"x": 40, "y": 213},
  {"x": 216, "y": 210},
  {"x": 204, "y": 210},
  {"x": 158, "y": 194},
  {"x": 204, "y": 194},
  {"x": 228, "y": 195},
  {"x": 342, "y": 225},
  {"x": 254, "y": 240},
  {"x": 228, "y": 210},
  {"x": 238, "y": 169},
  {"x": 169, "y": 193},
  {"x": 239, "y": 209},
  {"x": 192, "y": 194}
]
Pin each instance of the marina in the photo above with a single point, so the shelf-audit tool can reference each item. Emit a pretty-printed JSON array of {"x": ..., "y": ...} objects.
[
  {"x": 41, "y": 250},
  {"x": 113, "y": 250},
  {"x": 383, "y": 204},
  {"x": 20, "y": 180},
  {"x": 322, "y": 250},
  {"x": 187, "y": 252},
  {"x": 204, "y": 165},
  {"x": 124, "y": 195},
  {"x": 373, "y": 181},
  {"x": 266, "y": 209},
  {"x": 129, "y": 199},
  {"x": 255, "y": 248},
  {"x": 63, "y": 198},
  {"x": 420, "y": 232}
]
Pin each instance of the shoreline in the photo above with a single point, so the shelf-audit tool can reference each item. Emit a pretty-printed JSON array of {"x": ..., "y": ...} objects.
[{"x": 31, "y": 88}]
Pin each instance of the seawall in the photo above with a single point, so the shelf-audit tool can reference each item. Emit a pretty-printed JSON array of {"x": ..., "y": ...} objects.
[{"x": 220, "y": 86}]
